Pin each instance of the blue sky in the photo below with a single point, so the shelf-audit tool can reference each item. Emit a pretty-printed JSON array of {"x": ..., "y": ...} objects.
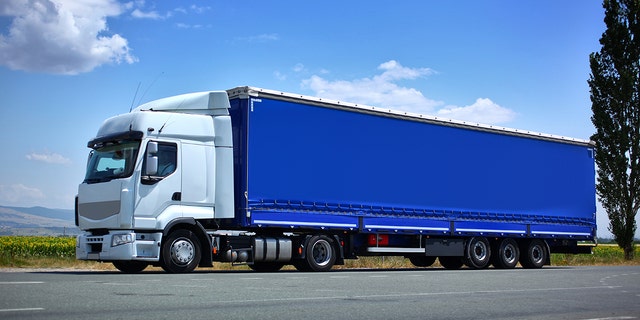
[{"x": 66, "y": 65}]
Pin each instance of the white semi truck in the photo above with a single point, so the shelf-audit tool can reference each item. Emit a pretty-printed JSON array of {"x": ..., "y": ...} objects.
[{"x": 267, "y": 178}]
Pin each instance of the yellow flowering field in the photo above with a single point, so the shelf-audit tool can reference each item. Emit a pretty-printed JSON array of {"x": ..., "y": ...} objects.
[{"x": 35, "y": 246}]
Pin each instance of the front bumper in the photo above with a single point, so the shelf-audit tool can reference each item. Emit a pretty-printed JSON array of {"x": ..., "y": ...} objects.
[{"x": 119, "y": 245}]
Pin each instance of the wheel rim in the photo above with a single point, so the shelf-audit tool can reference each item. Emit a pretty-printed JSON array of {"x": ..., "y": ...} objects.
[
  {"x": 479, "y": 250},
  {"x": 509, "y": 254},
  {"x": 537, "y": 254},
  {"x": 182, "y": 251},
  {"x": 322, "y": 252}
]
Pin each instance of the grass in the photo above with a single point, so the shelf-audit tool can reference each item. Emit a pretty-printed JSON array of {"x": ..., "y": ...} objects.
[
  {"x": 603, "y": 254},
  {"x": 59, "y": 253}
]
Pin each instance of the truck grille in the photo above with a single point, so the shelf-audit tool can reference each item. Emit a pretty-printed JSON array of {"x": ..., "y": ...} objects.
[{"x": 95, "y": 243}]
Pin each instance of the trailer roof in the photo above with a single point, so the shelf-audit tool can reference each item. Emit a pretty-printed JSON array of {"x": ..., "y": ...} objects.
[{"x": 247, "y": 91}]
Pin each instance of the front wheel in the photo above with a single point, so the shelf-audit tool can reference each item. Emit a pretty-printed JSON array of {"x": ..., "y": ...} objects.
[
  {"x": 180, "y": 252},
  {"x": 130, "y": 266}
]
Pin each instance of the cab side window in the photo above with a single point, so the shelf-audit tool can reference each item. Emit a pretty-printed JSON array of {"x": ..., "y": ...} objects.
[
  {"x": 167, "y": 159},
  {"x": 161, "y": 160}
]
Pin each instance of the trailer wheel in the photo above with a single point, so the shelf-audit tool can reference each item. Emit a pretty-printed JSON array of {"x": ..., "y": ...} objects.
[
  {"x": 535, "y": 255},
  {"x": 130, "y": 266},
  {"x": 451, "y": 263},
  {"x": 320, "y": 254},
  {"x": 506, "y": 255},
  {"x": 266, "y": 266},
  {"x": 180, "y": 252},
  {"x": 422, "y": 261},
  {"x": 477, "y": 253}
]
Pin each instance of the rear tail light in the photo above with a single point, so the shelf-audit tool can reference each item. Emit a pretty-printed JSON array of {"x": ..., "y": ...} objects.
[{"x": 376, "y": 240}]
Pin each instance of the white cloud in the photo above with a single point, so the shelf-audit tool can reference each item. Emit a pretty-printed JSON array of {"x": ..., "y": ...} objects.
[
  {"x": 61, "y": 36},
  {"x": 383, "y": 91},
  {"x": 260, "y": 38},
  {"x": 18, "y": 193},
  {"x": 150, "y": 14},
  {"x": 192, "y": 26},
  {"x": 279, "y": 75},
  {"x": 53, "y": 158},
  {"x": 296, "y": 71},
  {"x": 153, "y": 15},
  {"x": 192, "y": 8},
  {"x": 379, "y": 90},
  {"x": 299, "y": 67},
  {"x": 482, "y": 111},
  {"x": 198, "y": 9}
]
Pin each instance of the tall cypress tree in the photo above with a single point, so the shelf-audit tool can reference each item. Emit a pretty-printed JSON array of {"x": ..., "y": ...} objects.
[{"x": 615, "y": 98}]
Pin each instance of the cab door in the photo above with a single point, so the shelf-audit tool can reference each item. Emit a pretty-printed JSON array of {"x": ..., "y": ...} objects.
[{"x": 159, "y": 193}]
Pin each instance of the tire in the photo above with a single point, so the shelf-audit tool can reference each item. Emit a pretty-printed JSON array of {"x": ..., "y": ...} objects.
[
  {"x": 451, "y": 263},
  {"x": 180, "y": 252},
  {"x": 506, "y": 254},
  {"x": 320, "y": 253},
  {"x": 130, "y": 266},
  {"x": 266, "y": 266},
  {"x": 535, "y": 255},
  {"x": 477, "y": 253},
  {"x": 422, "y": 261}
]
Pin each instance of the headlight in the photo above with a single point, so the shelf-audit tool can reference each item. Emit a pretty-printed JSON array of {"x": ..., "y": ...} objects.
[{"x": 118, "y": 239}]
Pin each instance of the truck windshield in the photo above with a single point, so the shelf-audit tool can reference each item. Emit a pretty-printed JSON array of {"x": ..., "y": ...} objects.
[{"x": 111, "y": 160}]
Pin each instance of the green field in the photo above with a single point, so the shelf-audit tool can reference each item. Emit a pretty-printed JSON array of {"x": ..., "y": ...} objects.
[{"x": 59, "y": 252}]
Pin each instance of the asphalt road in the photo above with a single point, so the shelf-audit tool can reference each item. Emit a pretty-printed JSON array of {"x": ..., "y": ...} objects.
[{"x": 548, "y": 293}]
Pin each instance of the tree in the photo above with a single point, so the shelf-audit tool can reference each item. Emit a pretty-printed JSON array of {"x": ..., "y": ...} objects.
[{"x": 615, "y": 99}]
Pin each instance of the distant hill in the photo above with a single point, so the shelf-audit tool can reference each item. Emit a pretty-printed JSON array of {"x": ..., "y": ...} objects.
[{"x": 37, "y": 221}]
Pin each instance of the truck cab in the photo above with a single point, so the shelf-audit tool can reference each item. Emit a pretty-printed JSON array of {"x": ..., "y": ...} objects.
[{"x": 159, "y": 168}]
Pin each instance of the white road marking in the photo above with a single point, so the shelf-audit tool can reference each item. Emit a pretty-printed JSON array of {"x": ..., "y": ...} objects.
[
  {"x": 21, "y": 309},
  {"x": 21, "y": 282},
  {"x": 613, "y": 318}
]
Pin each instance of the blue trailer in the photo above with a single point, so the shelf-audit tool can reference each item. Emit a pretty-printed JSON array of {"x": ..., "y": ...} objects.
[{"x": 310, "y": 182}]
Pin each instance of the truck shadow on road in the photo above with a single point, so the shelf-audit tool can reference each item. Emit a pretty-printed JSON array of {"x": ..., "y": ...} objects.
[{"x": 240, "y": 271}]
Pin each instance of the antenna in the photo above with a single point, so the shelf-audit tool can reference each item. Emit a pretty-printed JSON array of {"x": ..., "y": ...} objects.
[
  {"x": 164, "y": 124},
  {"x": 134, "y": 97},
  {"x": 149, "y": 87}
]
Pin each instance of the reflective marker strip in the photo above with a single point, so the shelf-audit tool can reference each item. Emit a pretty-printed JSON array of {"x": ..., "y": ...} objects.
[
  {"x": 300, "y": 223},
  {"x": 375, "y": 226}
]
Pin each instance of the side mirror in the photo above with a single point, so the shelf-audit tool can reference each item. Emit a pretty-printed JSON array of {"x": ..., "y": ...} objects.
[
  {"x": 151, "y": 168},
  {"x": 152, "y": 148}
]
